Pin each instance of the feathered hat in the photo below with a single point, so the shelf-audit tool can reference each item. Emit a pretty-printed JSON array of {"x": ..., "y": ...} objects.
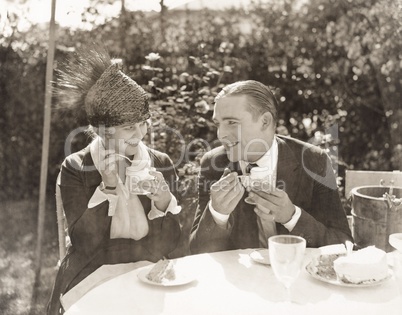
[{"x": 93, "y": 83}]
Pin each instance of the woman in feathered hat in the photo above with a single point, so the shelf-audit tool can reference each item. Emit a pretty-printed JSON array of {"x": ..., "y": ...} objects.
[{"x": 107, "y": 222}]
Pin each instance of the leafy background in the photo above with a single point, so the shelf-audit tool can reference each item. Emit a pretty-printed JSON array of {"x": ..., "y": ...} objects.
[{"x": 335, "y": 67}]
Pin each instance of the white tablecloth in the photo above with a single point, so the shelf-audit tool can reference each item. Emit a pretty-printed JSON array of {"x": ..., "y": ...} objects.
[{"x": 231, "y": 282}]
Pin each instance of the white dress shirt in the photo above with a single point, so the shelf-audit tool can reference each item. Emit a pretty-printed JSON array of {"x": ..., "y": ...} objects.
[{"x": 270, "y": 161}]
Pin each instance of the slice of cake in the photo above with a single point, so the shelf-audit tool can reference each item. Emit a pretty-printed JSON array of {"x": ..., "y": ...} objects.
[
  {"x": 325, "y": 266},
  {"x": 363, "y": 266},
  {"x": 162, "y": 271}
]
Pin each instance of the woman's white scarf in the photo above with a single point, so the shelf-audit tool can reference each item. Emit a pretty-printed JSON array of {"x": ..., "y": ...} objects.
[{"x": 129, "y": 219}]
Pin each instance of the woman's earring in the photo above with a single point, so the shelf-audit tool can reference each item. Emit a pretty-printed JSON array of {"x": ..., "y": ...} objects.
[{"x": 109, "y": 132}]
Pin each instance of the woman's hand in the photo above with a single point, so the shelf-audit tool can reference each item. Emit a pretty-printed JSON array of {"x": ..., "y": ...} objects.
[
  {"x": 159, "y": 190},
  {"x": 108, "y": 168}
]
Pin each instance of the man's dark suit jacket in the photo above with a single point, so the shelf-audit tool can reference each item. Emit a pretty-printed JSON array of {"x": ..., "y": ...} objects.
[{"x": 304, "y": 171}]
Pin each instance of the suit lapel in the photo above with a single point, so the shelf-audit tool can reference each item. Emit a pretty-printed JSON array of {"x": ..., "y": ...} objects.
[
  {"x": 288, "y": 173},
  {"x": 288, "y": 169},
  {"x": 235, "y": 167}
]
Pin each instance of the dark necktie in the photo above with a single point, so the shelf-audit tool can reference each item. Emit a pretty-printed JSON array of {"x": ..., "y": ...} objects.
[
  {"x": 266, "y": 228},
  {"x": 250, "y": 166}
]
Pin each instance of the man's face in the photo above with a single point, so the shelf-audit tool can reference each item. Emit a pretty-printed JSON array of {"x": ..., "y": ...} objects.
[{"x": 243, "y": 137}]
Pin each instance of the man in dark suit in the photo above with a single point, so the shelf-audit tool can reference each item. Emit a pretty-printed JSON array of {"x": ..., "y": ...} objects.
[{"x": 304, "y": 200}]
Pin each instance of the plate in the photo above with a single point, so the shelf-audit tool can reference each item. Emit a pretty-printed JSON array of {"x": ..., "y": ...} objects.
[
  {"x": 261, "y": 256},
  {"x": 181, "y": 279},
  {"x": 326, "y": 273}
]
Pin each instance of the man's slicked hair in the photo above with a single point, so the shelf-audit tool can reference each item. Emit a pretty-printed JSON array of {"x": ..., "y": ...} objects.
[{"x": 261, "y": 99}]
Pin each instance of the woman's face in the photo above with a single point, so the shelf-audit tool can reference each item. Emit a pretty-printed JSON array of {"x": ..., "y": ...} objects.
[{"x": 124, "y": 139}]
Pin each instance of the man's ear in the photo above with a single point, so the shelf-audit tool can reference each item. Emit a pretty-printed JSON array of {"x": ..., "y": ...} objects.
[{"x": 267, "y": 120}]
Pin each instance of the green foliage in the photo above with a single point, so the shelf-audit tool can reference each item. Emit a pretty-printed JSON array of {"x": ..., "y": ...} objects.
[{"x": 334, "y": 66}]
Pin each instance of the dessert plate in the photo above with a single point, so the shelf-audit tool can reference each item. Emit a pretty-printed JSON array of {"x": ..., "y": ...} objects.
[
  {"x": 181, "y": 279},
  {"x": 261, "y": 256},
  {"x": 326, "y": 273}
]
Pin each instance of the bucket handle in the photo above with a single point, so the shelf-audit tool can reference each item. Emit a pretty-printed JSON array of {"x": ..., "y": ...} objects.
[
  {"x": 391, "y": 185},
  {"x": 391, "y": 200}
]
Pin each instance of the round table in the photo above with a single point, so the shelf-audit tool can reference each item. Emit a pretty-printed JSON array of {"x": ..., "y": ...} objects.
[{"x": 227, "y": 282}]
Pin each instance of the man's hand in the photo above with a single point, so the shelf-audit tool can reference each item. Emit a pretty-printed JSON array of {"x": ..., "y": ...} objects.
[
  {"x": 226, "y": 193},
  {"x": 274, "y": 205}
]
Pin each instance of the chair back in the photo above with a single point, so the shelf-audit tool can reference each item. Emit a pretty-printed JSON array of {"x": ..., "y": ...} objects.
[{"x": 62, "y": 228}]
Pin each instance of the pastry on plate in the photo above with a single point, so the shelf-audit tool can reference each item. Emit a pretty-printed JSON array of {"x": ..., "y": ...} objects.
[{"x": 162, "y": 271}]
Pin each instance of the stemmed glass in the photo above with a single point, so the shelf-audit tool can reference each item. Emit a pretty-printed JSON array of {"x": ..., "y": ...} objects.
[{"x": 286, "y": 253}]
